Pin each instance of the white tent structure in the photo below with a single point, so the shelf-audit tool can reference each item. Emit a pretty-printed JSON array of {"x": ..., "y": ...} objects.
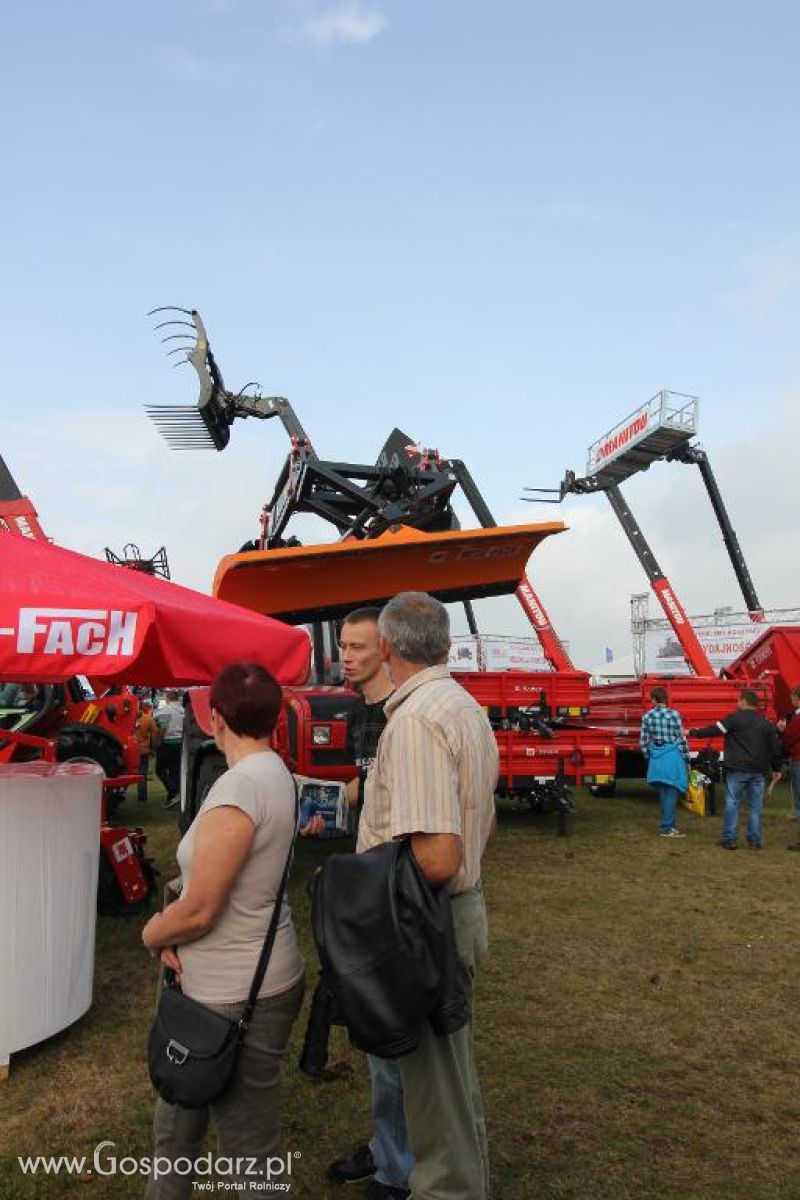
[{"x": 611, "y": 672}]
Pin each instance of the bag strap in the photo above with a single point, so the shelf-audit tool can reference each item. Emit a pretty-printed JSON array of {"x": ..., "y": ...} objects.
[{"x": 269, "y": 940}]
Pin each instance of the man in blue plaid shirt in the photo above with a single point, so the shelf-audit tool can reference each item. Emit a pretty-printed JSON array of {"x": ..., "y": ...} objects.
[{"x": 665, "y": 750}]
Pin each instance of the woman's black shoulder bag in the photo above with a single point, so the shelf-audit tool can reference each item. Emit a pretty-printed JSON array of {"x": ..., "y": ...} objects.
[{"x": 192, "y": 1050}]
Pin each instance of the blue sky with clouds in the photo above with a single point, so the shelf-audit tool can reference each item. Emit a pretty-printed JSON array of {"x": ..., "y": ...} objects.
[{"x": 501, "y": 226}]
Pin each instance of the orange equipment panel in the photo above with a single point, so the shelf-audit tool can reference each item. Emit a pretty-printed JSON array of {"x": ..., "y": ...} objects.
[{"x": 308, "y": 583}]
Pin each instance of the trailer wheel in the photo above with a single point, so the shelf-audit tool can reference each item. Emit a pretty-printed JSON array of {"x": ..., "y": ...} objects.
[{"x": 89, "y": 745}]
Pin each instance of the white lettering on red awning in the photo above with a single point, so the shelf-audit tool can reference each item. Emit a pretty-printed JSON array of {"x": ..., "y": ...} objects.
[{"x": 76, "y": 631}]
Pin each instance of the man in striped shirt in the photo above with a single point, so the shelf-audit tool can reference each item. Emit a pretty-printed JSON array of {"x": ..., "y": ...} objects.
[{"x": 433, "y": 780}]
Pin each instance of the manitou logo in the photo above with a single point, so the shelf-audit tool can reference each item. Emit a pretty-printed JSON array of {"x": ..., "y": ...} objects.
[
  {"x": 673, "y": 606},
  {"x": 75, "y": 631},
  {"x": 535, "y": 607},
  {"x": 623, "y": 437}
]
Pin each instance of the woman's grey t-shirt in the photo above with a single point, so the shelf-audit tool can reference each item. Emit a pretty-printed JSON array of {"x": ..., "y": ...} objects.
[{"x": 218, "y": 967}]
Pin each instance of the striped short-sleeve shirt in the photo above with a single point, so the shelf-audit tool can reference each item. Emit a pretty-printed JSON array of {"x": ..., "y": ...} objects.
[{"x": 435, "y": 771}]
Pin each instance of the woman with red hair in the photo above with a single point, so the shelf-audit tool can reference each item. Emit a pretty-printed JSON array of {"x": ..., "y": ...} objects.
[{"x": 232, "y": 860}]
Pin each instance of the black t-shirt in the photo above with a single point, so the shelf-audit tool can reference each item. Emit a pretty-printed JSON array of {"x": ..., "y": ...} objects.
[{"x": 367, "y": 723}]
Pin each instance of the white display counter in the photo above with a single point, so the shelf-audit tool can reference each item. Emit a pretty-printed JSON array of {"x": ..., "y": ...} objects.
[{"x": 49, "y": 849}]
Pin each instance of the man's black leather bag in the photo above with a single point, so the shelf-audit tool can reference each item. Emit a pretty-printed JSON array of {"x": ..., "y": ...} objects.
[
  {"x": 387, "y": 949},
  {"x": 192, "y": 1050}
]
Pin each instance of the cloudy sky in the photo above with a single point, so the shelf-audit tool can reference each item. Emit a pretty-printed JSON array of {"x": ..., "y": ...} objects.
[{"x": 501, "y": 226}]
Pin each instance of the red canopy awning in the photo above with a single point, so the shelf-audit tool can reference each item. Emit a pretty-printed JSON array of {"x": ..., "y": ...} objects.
[{"x": 64, "y": 614}]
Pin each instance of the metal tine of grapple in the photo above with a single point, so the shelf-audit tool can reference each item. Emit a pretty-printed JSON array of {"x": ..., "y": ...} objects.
[
  {"x": 164, "y": 324},
  {"x": 178, "y": 418},
  {"x": 177, "y": 350},
  {"x": 178, "y": 427},
  {"x": 183, "y": 435},
  {"x": 174, "y": 411},
  {"x": 187, "y": 418},
  {"x": 199, "y": 445},
  {"x": 173, "y": 337},
  {"x": 180, "y": 434},
  {"x": 171, "y": 308}
]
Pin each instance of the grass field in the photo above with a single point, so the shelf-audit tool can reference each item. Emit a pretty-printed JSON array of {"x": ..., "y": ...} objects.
[{"x": 637, "y": 1026}]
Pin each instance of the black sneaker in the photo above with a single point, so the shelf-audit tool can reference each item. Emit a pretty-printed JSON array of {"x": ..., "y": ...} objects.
[
  {"x": 727, "y": 844},
  {"x": 354, "y": 1169},
  {"x": 754, "y": 843},
  {"x": 385, "y": 1191}
]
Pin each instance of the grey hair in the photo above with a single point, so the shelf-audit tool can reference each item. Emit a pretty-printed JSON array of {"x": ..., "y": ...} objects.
[{"x": 417, "y": 628}]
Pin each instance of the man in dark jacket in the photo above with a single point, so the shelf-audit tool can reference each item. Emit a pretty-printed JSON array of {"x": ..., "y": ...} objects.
[{"x": 752, "y": 750}]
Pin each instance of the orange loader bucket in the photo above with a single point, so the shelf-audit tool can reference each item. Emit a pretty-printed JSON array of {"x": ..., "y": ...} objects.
[{"x": 311, "y": 583}]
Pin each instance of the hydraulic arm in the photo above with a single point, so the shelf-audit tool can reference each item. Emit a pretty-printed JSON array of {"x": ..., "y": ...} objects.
[
  {"x": 694, "y": 653},
  {"x": 694, "y": 455}
]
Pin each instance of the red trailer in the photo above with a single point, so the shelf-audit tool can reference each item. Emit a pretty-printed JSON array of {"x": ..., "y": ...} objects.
[
  {"x": 699, "y": 700},
  {"x": 772, "y": 660}
]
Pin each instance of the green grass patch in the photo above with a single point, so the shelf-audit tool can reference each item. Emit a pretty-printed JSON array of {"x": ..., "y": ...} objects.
[{"x": 636, "y": 1023}]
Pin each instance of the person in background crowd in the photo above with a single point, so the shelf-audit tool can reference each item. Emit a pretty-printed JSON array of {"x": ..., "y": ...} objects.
[
  {"x": 232, "y": 859},
  {"x": 665, "y": 750},
  {"x": 790, "y": 729},
  {"x": 147, "y": 738},
  {"x": 169, "y": 718},
  {"x": 386, "y": 1159},
  {"x": 433, "y": 781},
  {"x": 752, "y": 749}
]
